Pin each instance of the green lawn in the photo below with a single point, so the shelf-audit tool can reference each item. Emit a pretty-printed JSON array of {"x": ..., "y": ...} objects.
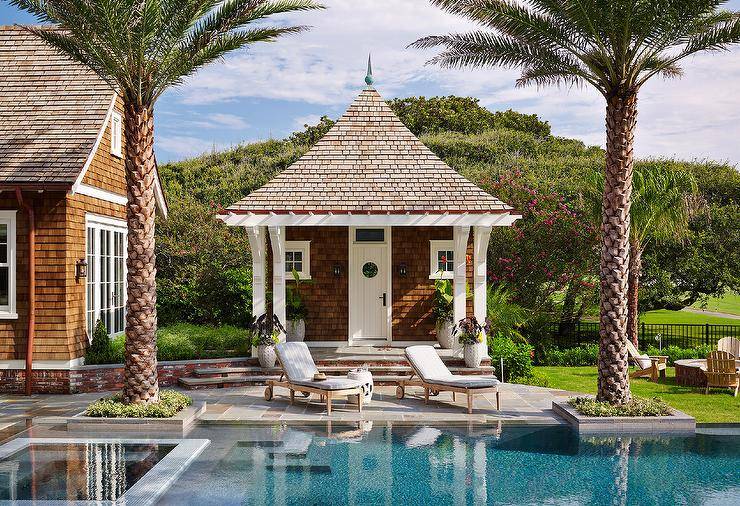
[
  {"x": 666, "y": 316},
  {"x": 718, "y": 406},
  {"x": 728, "y": 303}
]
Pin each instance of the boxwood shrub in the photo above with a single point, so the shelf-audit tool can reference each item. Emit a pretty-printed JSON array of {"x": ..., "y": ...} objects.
[
  {"x": 517, "y": 358},
  {"x": 170, "y": 403},
  {"x": 570, "y": 357}
]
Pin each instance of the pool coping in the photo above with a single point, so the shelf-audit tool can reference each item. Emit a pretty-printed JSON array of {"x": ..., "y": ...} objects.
[
  {"x": 678, "y": 422},
  {"x": 148, "y": 488}
]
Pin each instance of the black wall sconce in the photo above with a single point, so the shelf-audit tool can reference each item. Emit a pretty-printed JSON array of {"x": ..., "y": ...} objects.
[
  {"x": 402, "y": 270},
  {"x": 337, "y": 270},
  {"x": 81, "y": 268}
]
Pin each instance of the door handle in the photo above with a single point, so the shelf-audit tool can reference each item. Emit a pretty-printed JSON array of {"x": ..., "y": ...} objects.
[{"x": 383, "y": 297}]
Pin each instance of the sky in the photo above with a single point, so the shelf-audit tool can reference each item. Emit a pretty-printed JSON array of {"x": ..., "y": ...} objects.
[{"x": 270, "y": 90}]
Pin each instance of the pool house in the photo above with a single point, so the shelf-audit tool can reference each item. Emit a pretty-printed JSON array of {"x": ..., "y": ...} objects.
[{"x": 371, "y": 217}]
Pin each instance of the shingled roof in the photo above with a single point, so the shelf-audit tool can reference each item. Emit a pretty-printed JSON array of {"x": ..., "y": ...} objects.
[
  {"x": 51, "y": 111},
  {"x": 369, "y": 162}
]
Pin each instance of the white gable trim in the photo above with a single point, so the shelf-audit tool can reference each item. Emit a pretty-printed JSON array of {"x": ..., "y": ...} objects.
[
  {"x": 81, "y": 176},
  {"x": 98, "y": 193},
  {"x": 371, "y": 220}
]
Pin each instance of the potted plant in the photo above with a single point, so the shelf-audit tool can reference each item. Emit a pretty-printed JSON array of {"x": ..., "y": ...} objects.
[
  {"x": 470, "y": 333},
  {"x": 265, "y": 335},
  {"x": 295, "y": 311},
  {"x": 443, "y": 312}
]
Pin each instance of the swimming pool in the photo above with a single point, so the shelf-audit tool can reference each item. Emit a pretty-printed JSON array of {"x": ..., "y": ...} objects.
[
  {"x": 392, "y": 464},
  {"x": 387, "y": 463}
]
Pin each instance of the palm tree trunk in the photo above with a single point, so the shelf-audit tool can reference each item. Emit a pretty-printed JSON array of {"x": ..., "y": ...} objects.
[
  {"x": 613, "y": 380},
  {"x": 635, "y": 267},
  {"x": 140, "y": 372}
]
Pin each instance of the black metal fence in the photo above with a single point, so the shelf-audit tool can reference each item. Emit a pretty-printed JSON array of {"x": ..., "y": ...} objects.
[{"x": 685, "y": 335}]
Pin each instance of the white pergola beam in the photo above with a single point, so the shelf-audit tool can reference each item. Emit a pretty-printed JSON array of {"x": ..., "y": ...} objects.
[{"x": 371, "y": 220}]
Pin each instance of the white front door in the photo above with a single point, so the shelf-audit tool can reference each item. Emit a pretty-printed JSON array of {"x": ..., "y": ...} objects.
[{"x": 369, "y": 279}]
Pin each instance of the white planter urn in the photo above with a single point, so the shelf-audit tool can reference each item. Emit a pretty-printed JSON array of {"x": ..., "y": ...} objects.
[
  {"x": 444, "y": 335},
  {"x": 267, "y": 357},
  {"x": 473, "y": 354},
  {"x": 295, "y": 330}
]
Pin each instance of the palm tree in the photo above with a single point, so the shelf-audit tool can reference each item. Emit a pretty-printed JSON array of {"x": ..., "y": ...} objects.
[
  {"x": 662, "y": 203},
  {"x": 616, "y": 46},
  {"x": 142, "y": 48}
]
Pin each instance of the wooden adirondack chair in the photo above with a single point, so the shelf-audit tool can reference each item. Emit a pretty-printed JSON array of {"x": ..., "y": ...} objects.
[
  {"x": 731, "y": 345},
  {"x": 646, "y": 365},
  {"x": 721, "y": 371}
]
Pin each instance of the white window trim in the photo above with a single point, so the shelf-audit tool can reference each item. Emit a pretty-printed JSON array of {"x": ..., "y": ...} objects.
[
  {"x": 9, "y": 312},
  {"x": 434, "y": 247},
  {"x": 305, "y": 248},
  {"x": 116, "y": 134},
  {"x": 99, "y": 222}
]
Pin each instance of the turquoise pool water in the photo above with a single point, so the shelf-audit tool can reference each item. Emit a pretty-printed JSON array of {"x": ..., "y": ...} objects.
[{"x": 456, "y": 465}]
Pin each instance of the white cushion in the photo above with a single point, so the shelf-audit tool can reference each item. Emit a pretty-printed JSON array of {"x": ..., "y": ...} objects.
[
  {"x": 296, "y": 360},
  {"x": 644, "y": 361},
  {"x": 426, "y": 362},
  {"x": 330, "y": 383}
]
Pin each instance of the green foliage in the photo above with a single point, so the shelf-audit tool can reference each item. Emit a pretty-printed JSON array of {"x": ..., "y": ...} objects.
[
  {"x": 295, "y": 308},
  {"x": 465, "y": 115},
  {"x": 470, "y": 331},
  {"x": 170, "y": 403},
  {"x": 185, "y": 341},
  {"x": 505, "y": 318},
  {"x": 311, "y": 134},
  {"x": 535, "y": 379},
  {"x": 675, "y": 353},
  {"x": 266, "y": 330},
  {"x": 100, "y": 350},
  {"x": 443, "y": 296},
  {"x": 570, "y": 357},
  {"x": 638, "y": 406},
  {"x": 517, "y": 358}
]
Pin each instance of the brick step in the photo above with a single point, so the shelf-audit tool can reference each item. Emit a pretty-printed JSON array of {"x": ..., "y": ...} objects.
[{"x": 330, "y": 370}]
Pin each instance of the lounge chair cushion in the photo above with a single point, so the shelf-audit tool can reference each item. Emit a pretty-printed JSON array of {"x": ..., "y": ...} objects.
[
  {"x": 426, "y": 362},
  {"x": 467, "y": 381},
  {"x": 330, "y": 383},
  {"x": 644, "y": 361},
  {"x": 296, "y": 361}
]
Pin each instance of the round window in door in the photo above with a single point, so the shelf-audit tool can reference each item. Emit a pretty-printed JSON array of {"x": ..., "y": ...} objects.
[{"x": 369, "y": 270}]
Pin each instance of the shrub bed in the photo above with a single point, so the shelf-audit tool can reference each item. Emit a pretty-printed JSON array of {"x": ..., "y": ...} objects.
[
  {"x": 638, "y": 406},
  {"x": 170, "y": 403},
  {"x": 183, "y": 341},
  {"x": 517, "y": 358},
  {"x": 570, "y": 357}
]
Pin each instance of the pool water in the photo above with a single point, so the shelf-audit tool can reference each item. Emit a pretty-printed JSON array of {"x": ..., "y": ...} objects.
[
  {"x": 391, "y": 464},
  {"x": 77, "y": 471}
]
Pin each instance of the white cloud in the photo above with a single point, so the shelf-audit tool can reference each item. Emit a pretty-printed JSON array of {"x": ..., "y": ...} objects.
[{"x": 311, "y": 119}]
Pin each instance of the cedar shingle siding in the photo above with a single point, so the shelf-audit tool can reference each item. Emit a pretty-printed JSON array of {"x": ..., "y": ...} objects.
[{"x": 51, "y": 113}]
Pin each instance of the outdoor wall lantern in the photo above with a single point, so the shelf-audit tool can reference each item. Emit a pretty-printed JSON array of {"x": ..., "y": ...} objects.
[
  {"x": 337, "y": 269},
  {"x": 402, "y": 270},
  {"x": 81, "y": 268}
]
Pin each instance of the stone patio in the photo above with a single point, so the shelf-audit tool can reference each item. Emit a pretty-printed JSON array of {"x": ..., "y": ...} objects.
[{"x": 520, "y": 404}]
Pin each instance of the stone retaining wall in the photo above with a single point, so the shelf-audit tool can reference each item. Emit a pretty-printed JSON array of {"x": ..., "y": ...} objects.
[{"x": 100, "y": 378}]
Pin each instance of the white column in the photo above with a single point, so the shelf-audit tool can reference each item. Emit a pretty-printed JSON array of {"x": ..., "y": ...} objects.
[
  {"x": 277, "y": 240},
  {"x": 257, "y": 244},
  {"x": 481, "y": 236},
  {"x": 460, "y": 238}
]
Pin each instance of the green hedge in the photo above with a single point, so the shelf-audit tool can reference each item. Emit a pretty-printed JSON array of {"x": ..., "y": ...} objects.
[
  {"x": 675, "y": 353},
  {"x": 570, "y": 357},
  {"x": 517, "y": 358},
  {"x": 185, "y": 341}
]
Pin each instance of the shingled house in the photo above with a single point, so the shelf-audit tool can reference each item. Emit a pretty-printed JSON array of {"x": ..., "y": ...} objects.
[
  {"x": 62, "y": 211},
  {"x": 371, "y": 216}
]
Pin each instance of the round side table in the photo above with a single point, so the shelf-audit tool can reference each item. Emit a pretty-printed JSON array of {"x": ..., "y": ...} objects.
[{"x": 366, "y": 378}]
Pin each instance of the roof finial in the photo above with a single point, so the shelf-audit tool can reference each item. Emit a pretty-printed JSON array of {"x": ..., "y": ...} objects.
[{"x": 369, "y": 77}]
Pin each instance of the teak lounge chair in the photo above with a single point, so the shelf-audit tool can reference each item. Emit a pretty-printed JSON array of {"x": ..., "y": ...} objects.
[
  {"x": 299, "y": 369},
  {"x": 721, "y": 371},
  {"x": 731, "y": 345},
  {"x": 646, "y": 365},
  {"x": 435, "y": 377}
]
